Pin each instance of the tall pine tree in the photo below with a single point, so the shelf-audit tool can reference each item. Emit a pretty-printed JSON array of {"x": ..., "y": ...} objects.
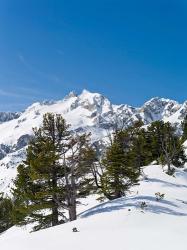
[
  {"x": 54, "y": 175},
  {"x": 39, "y": 191},
  {"x": 119, "y": 171}
]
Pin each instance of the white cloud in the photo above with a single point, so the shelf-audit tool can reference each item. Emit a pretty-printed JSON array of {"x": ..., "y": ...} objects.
[
  {"x": 8, "y": 93},
  {"x": 51, "y": 77}
]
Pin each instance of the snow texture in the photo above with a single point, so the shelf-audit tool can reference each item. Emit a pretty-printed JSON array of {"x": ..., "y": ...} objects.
[{"x": 120, "y": 224}]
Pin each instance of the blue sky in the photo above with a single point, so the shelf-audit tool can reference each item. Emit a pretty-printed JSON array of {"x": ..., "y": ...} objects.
[{"x": 129, "y": 51}]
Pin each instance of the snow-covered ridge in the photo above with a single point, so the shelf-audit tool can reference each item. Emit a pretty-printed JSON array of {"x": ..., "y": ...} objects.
[
  {"x": 87, "y": 112},
  {"x": 90, "y": 111}
]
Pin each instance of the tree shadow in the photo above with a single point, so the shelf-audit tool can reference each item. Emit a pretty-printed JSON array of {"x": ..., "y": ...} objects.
[
  {"x": 153, "y": 206},
  {"x": 182, "y": 174},
  {"x": 166, "y": 183}
]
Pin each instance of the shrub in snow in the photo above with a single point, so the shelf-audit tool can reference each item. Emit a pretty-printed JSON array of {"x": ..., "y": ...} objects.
[
  {"x": 143, "y": 205},
  {"x": 159, "y": 196},
  {"x": 75, "y": 230}
]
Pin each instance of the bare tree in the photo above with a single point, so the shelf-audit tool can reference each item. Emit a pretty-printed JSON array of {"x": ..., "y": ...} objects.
[{"x": 77, "y": 166}]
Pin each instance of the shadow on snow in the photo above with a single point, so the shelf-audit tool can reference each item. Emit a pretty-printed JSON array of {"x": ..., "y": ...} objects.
[
  {"x": 153, "y": 206},
  {"x": 166, "y": 183}
]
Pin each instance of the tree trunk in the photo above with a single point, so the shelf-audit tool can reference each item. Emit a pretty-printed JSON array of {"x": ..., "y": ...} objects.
[
  {"x": 72, "y": 212},
  {"x": 73, "y": 205},
  {"x": 169, "y": 167},
  {"x": 54, "y": 219},
  {"x": 168, "y": 163},
  {"x": 54, "y": 199}
]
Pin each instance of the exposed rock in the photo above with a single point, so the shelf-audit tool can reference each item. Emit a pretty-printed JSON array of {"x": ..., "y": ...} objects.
[{"x": 8, "y": 116}]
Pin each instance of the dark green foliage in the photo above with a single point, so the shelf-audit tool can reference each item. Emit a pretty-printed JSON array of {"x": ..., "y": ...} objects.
[
  {"x": 133, "y": 148},
  {"x": 23, "y": 191},
  {"x": 184, "y": 129},
  {"x": 120, "y": 172},
  {"x": 112, "y": 181},
  {"x": 140, "y": 152},
  {"x": 165, "y": 145},
  {"x": 6, "y": 207},
  {"x": 155, "y": 135},
  {"x": 53, "y": 176},
  {"x": 38, "y": 188}
]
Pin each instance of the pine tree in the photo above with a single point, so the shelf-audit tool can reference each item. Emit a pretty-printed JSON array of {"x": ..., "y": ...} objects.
[
  {"x": 119, "y": 171},
  {"x": 39, "y": 193},
  {"x": 155, "y": 135},
  {"x": 173, "y": 151},
  {"x": 23, "y": 193},
  {"x": 54, "y": 175},
  {"x": 140, "y": 153},
  {"x": 166, "y": 145}
]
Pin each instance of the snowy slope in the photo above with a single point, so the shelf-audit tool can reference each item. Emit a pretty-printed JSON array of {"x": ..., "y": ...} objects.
[
  {"x": 87, "y": 112},
  {"x": 8, "y": 169},
  {"x": 120, "y": 224}
]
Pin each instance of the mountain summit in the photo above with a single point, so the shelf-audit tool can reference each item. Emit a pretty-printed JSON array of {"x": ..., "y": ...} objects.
[{"x": 87, "y": 112}]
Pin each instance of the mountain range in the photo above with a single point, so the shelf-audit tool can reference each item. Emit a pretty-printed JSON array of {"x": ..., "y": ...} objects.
[{"x": 87, "y": 112}]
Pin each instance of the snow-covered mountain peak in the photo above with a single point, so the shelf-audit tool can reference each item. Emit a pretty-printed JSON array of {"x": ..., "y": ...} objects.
[
  {"x": 86, "y": 92},
  {"x": 32, "y": 107},
  {"x": 87, "y": 112},
  {"x": 94, "y": 102},
  {"x": 90, "y": 112},
  {"x": 70, "y": 95},
  {"x": 90, "y": 97},
  {"x": 179, "y": 115},
  {"x": 158, "y": 109},
  {"x": 160, "y": 103}
]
